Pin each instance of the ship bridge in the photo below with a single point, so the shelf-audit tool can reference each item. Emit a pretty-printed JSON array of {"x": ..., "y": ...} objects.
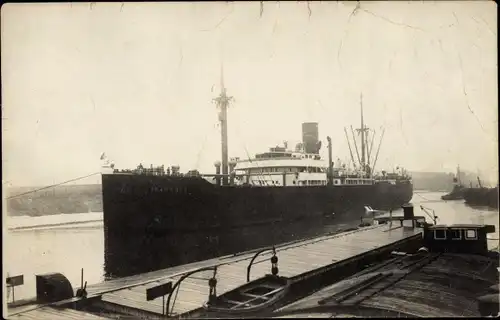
[{"x": 280, "y": 166}]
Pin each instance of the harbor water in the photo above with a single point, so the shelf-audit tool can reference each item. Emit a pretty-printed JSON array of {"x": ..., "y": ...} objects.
[{"x": 68, "y": 243}]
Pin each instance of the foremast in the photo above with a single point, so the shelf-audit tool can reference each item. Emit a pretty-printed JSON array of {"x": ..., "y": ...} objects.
[{"x": 222, "y": 102}]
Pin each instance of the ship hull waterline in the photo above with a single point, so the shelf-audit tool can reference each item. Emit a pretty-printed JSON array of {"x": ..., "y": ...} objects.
[{"x": 172, "y": 220}]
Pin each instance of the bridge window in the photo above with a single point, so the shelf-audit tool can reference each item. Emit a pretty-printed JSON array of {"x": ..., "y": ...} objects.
[
  {"x": 456, "y": 234},
  {"x": 440, "y": 234},
  {"x": 471, "y": 234}
]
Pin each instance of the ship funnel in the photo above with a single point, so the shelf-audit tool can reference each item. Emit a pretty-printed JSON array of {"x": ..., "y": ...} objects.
[{"x": 310, "y": 137}]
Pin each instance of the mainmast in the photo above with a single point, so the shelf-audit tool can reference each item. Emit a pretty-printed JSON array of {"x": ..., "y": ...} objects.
[
  {"x": 222, "y": 102},
  {"x": 366, "y": 146},
  {"x": 362, "y": 131}
]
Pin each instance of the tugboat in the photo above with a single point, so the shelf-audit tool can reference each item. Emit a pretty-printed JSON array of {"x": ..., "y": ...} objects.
[
  {"x": 458, "y": 188},
  {"x": 453, "y": 274}
]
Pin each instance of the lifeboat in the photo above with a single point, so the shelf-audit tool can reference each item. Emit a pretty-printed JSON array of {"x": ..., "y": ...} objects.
[{"x": 253, "y": 297}]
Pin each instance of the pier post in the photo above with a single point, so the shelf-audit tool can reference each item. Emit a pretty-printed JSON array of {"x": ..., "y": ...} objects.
[{"x": 284, "y": 179}]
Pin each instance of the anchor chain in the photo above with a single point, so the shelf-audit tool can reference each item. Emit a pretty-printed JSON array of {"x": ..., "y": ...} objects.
[{"x": 274, "y": 263}]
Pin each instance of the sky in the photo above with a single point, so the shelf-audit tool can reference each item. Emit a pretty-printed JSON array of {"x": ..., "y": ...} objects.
[{"x": 136, "y": 80}]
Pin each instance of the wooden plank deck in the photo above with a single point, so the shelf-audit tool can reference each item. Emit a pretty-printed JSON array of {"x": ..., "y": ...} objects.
[
  {"x": 433, "y": 285},
  {"x": 158, "y": 275},
  {"x": 294, "y": 260}
]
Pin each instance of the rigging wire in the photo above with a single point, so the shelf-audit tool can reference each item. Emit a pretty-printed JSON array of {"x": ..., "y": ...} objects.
[
  {"x": 197, "y": 163},
  {"x": 260, "y": 174},
  {"x": 52, "y": 186}
]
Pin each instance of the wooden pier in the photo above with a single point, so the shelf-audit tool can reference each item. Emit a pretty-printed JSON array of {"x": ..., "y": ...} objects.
[
  {"x": 54, "y": 313},
  {"x": 298, "y": 261}
]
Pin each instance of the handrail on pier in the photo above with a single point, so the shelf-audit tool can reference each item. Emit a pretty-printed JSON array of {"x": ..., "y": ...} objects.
[{"x": 212, "y": 283}]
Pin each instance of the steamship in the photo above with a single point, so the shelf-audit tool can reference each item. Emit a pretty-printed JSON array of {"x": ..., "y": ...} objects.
[
  {"x": 481, "y": 195},
  {"x": 276, "y": 188}
]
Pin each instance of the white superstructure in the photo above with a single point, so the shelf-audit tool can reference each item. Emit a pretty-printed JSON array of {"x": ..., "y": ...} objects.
[{"x": 282, "y": 167}]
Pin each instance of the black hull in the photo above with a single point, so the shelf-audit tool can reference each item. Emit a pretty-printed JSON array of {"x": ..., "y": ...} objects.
[
  {"x": 482, "y": 197},
  {"x": 166, "y": 220}
]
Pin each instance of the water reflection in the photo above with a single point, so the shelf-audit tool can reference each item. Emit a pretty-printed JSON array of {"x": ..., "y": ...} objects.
[
  {"x": 129, "y": 256},
  {"x": 126, "y": 255}
]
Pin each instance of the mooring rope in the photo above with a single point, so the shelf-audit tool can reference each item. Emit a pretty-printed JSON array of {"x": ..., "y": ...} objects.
[
  {"x": 421, "y": 196},
  {"x": 52, "y": 186}
]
